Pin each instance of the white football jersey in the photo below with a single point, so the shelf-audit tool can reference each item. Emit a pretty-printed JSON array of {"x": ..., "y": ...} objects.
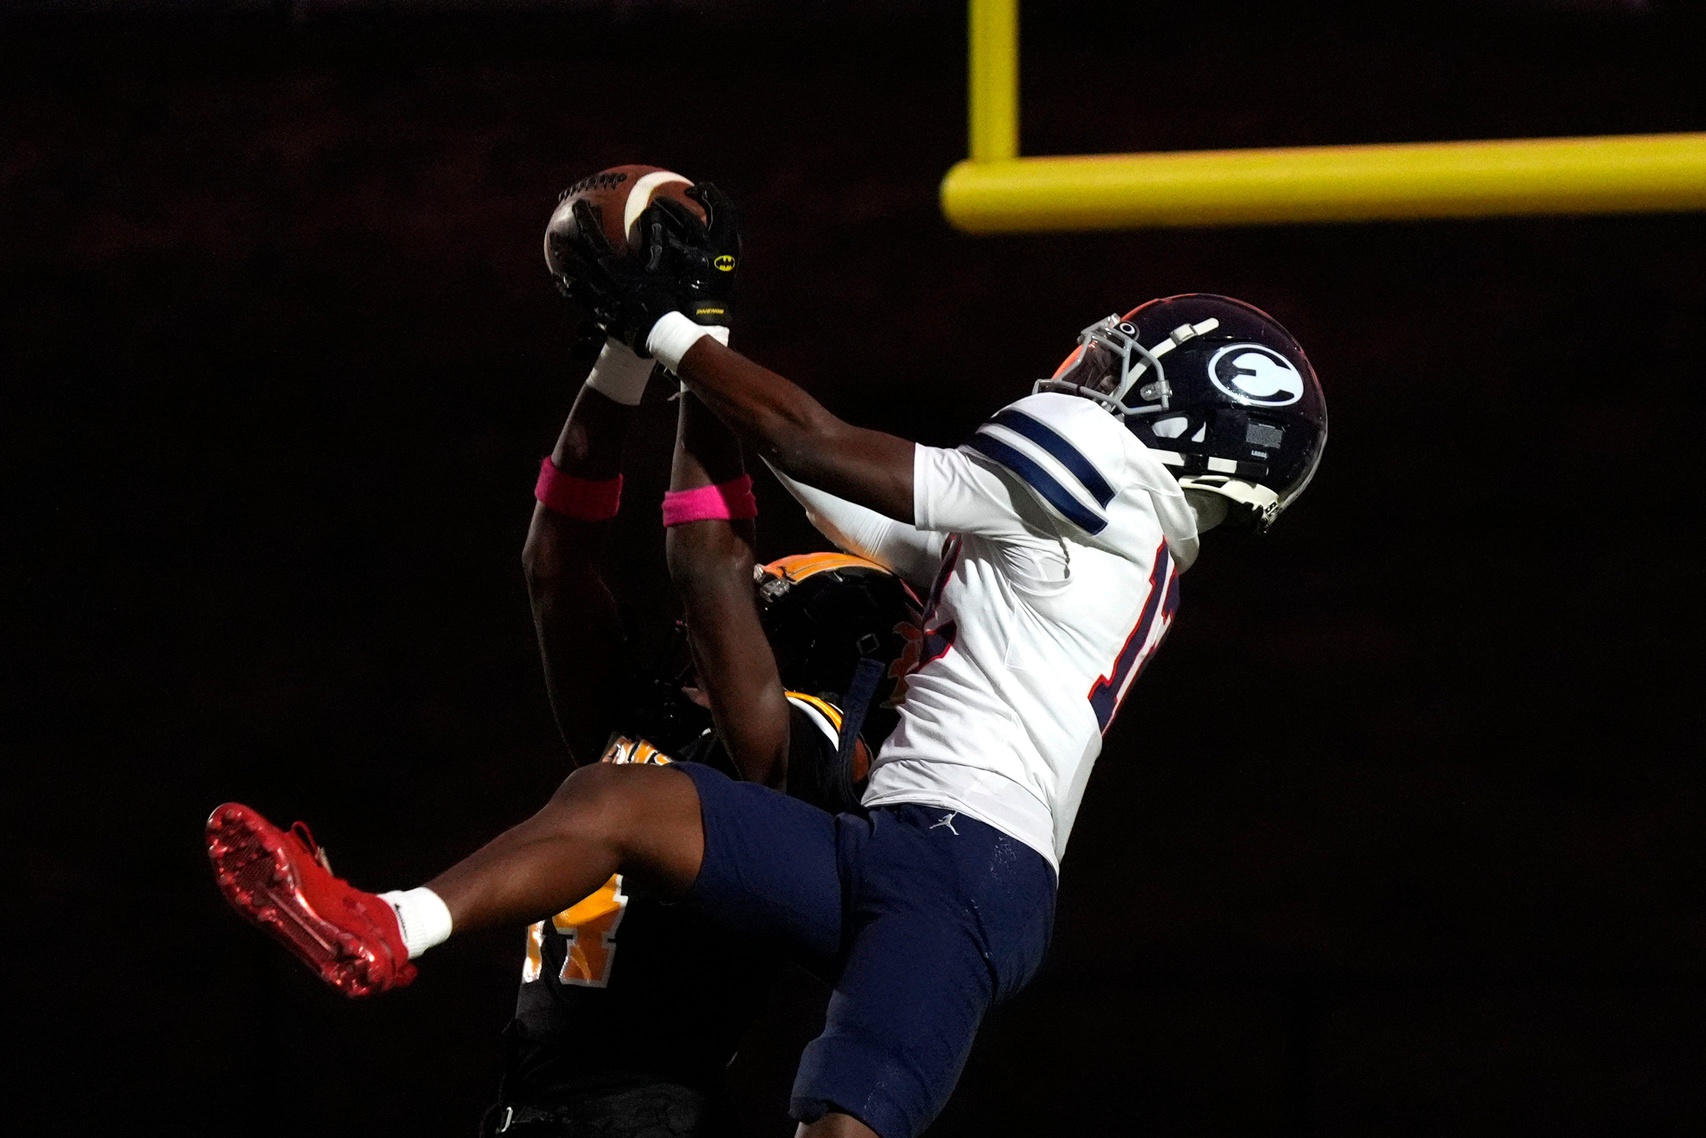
[{"x": 1048, "y": 551}]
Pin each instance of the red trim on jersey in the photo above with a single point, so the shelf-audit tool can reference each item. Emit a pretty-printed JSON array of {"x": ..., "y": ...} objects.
[{"x": 1109, "y": 691}]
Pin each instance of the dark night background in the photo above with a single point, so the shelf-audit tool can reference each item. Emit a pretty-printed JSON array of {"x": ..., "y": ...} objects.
[{"x": 1401, "y": 833}]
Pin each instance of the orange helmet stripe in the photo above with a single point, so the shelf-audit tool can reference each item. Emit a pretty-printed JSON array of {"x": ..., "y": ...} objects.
[
  {"x": 799, "y": 566},
  {"x": 1067, "y": 363}
]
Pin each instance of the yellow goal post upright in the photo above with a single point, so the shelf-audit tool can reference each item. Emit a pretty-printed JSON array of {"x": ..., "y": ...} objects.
[{"x": 996, "y": 191}]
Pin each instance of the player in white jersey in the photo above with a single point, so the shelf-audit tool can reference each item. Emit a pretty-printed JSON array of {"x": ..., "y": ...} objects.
[
  {"x": 1048, "y": 548},
  {"x": 1041, "y": 617}
]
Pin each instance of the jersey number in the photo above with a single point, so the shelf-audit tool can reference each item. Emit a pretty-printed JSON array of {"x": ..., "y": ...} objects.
[
  {"x": 923, "y": 643},
  {"x": 590, "y": 926},
  {"x": 1162, "y": 602}
]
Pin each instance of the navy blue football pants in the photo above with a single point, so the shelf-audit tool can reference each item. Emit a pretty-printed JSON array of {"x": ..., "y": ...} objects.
[{"x": 925, "y": 919}]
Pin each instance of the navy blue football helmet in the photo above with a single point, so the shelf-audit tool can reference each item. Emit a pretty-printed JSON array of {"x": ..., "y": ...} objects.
[{"x": 1216, "y": 388}]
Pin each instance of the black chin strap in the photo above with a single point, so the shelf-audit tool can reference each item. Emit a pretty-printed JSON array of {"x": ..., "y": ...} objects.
[{"x": 866, "y": 676}]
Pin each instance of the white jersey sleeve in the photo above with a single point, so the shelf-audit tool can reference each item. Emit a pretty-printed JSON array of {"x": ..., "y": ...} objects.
[
  {"x": 910, "y": 553},
  {"x": 952, "y": 492}
]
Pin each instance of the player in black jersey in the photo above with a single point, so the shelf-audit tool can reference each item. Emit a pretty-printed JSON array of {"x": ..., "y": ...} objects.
[{"x": 630, "y": 1010}]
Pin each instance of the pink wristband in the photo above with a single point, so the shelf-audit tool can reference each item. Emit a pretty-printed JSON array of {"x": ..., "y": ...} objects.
[
  {"x": 729, "y": 501},
  {"x": 582, "y": 499}
]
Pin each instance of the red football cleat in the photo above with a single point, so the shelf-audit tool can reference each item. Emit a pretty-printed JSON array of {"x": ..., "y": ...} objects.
[{"x": 281, "y": 882}]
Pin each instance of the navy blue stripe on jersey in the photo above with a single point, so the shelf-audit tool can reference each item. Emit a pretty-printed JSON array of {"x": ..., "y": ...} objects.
[
  {"x": 1107, "y": 691},
  {"x": 1063, "y": 452},
  {"x": 1041, "y": 481}
]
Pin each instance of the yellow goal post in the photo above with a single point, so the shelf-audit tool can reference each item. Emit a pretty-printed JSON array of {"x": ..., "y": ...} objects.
[{"x": 996, "y": 191}]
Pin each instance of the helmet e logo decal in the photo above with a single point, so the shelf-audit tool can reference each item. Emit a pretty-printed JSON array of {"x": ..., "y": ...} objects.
[{"x": 1256, "y": 376}]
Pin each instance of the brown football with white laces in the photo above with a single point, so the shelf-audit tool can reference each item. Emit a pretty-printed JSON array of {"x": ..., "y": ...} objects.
[{"x": 620, "y": 195}]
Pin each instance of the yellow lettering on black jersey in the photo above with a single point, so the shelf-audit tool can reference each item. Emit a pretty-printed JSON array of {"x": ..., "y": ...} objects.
[{"x": 590, "y": 924}]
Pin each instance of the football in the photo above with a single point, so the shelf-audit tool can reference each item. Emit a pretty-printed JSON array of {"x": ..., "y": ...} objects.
[{"x": 619, "y": 194}]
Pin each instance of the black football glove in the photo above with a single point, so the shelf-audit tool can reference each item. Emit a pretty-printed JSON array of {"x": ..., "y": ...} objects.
[
  {"x": 682, "y": 265},
  {"x": 625, "y": 295},
  {"x": 703, "y": 256}
]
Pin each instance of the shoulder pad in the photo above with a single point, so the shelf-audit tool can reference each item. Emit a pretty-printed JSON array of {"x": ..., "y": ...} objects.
[{"x": 1069, "y": 451}]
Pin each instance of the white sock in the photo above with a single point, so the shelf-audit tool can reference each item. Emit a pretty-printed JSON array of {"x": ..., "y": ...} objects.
[
  {"x": 422, "y": 916},
  {"x": 620, "y": 374}
]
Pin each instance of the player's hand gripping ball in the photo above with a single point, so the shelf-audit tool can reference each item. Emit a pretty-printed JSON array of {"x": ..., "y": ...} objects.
[{"x": 632, "y": 243}]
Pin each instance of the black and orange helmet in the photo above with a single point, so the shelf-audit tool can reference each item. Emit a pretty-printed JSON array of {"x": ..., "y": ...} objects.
[{"x": 826, "y": 613}]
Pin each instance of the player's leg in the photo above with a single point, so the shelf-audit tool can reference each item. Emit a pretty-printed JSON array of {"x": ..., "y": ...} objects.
[
  {"x": 949, "y": 918},
  {"x": 638, "y": 820},
  {"x": 835, "y": 1126},
  {"x": 361, "y": 942},
  {"x": 750, "y": 856}
]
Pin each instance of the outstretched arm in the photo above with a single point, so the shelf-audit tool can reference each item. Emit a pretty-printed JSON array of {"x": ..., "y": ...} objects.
[
  {"x": 711, "y": 563},
  {"x": 686, "y": 263},
  {"x": 789, "y": 428},
  {"x": 589, "y": 674}
]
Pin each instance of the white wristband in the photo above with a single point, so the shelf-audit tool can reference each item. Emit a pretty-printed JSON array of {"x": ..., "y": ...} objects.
[
  {"x": 674, "y": 334},
  {"x": 620, "y": 374}
]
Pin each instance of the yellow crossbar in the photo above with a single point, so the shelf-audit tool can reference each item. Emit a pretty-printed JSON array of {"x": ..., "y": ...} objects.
[
  {"x": 996, "y": 191},
  {"x": 1619, "y": 174}
]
